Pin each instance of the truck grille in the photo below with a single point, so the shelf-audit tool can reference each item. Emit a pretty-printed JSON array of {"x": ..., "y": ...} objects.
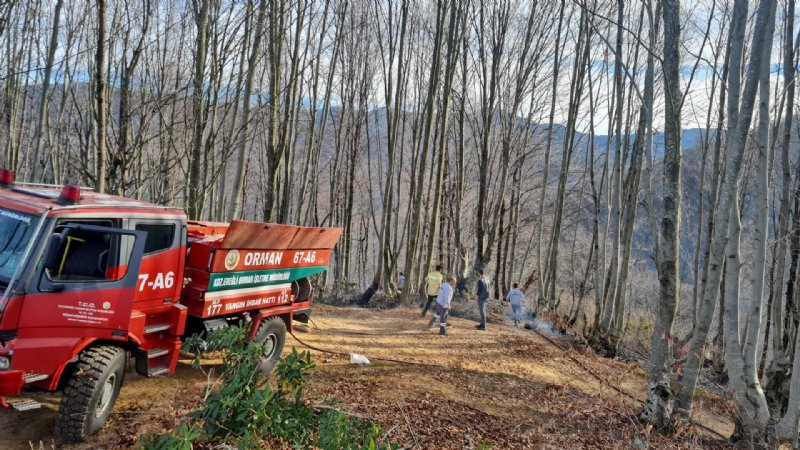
[{"x": 6, "y": 336}]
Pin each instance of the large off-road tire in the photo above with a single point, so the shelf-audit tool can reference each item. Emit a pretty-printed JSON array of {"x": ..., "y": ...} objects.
[
  {"x": 90, "y": 393},
  {"x": 272, "y": 336}
]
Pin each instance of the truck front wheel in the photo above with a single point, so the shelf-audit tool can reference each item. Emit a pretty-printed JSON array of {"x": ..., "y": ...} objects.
[
  {"x": 90, "y": 393},
  {"x": 272, "y": 336}
]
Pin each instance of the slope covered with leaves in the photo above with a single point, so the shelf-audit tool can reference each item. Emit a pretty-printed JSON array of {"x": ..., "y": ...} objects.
[{"x": 506, "y": 387}]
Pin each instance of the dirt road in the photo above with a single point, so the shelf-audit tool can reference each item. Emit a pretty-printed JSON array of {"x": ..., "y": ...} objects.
[{"x": 507, "y": 387}]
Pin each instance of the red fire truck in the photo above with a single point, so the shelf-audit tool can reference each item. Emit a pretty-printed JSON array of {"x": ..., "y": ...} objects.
[{"x": 90, "y": 281}]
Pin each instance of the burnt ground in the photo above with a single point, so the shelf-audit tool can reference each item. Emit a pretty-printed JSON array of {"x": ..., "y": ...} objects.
[{"x": 507, "y": 387}]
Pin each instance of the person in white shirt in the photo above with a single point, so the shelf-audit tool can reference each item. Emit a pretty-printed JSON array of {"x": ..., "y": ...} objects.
[
  {"x": 515, "y": 297},
  {"x": 401, "y": 282},
  {"x": 443, "y": 305}
]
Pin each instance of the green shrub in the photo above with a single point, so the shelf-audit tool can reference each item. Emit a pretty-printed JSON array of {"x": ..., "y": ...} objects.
[
  {"x": 336, "y": 430},
  {"x": 247, "y": 409},
  {"x": 180, "y": 439}
]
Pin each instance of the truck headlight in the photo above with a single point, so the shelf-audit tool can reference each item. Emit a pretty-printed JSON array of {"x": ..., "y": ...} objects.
[{"x": 5, "y": 362}]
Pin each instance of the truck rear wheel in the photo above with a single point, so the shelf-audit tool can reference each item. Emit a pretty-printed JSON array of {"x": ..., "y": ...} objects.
[
  {"x": 272, "y": 336},
  {"x": 90, "y": 393}
]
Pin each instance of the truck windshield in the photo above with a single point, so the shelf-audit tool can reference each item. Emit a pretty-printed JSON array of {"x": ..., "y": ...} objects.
[{"x": 16, "y": 231}]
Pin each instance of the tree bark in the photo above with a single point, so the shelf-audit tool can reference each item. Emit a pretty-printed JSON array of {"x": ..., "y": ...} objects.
[
  {"x": 200, "y": 8},
  {"x": 100, "y": 98},
  {"x": 659, "y": 405}
]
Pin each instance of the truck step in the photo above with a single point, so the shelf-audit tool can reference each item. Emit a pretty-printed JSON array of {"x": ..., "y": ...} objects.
[
  {"x": 156, "y": 352},
  {"x": 156, "y": 371},
  {"x": 31, "y": 377},
  {"x": 25, "y": 405},
  {"x": 156, "y": 327}
]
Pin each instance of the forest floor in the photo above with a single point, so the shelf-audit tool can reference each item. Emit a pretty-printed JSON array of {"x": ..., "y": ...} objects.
[{"x": 506, "y": 386}]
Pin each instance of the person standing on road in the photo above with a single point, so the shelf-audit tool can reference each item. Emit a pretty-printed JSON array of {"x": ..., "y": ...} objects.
[
  {"x": 483, "y": 296},
  {"x": 442, "y": 307},
  {"x": 433, "y": 283},
  {"x": 515, "y": 297}
]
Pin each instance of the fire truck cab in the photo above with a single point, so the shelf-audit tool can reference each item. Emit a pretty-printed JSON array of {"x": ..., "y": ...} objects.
[{"x": 89, "y": 280}]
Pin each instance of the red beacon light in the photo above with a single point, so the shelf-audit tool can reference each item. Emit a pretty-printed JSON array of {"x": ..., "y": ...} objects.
[
  {"x": 6, "y": 177},
  {"x": 70, "y": 195}
]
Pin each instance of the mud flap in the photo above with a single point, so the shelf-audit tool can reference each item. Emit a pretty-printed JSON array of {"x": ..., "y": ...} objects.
[
  {"x": 302, "y": 315},
  {"x": 11, "y": 383}
]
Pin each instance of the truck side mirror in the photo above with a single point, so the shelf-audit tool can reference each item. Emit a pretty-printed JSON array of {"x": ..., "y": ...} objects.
[{"x": 51, "y": 253}]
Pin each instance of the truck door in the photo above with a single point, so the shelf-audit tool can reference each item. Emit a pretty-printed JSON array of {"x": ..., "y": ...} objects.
[
  {"x": 85, "y": 287},
  {"x": 161, "y": 271}
]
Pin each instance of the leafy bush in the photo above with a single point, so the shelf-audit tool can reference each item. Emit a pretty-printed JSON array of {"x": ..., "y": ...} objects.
[
  {"x": 180, "y": 439},
  {"x": 336, "y": 430},
  {"x": 247, "y": 409}
]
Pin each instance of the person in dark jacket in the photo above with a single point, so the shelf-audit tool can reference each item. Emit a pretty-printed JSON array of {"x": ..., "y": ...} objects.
[{"x": 483, "y": 295}]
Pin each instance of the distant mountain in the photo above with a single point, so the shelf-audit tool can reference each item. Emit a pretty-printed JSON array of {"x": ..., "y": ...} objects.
[{"x": 691, "y": 138}]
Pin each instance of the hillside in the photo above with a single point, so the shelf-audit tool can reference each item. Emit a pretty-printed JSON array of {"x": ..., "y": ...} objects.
[{"x": 508, "y": 387}]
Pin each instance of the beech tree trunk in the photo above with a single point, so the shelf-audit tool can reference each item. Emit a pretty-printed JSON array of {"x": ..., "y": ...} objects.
[
  {"x": 750, "y": 401},
  {"x": 660, "y": 398},
  {"x": 100, "y": 98},
  {"x": 200, "y": 8}
]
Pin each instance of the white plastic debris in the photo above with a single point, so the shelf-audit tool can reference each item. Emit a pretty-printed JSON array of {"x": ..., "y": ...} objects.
[{"x": 355, "y": 358}]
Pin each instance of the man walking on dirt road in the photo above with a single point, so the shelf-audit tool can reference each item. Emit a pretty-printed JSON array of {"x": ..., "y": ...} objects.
[
  {"x": 515, "y": 297},
  {"x": 433, "y": 282},
  {"x": 483, "y": 295},
  {"x": 442, "y": 307}
]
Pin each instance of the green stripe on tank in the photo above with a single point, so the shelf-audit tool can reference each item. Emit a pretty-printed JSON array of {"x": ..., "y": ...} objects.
[{"x": 255, "y": 278}]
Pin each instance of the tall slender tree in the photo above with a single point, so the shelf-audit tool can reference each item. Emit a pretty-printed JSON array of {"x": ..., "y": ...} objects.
[
  {"x": 660, "y": 398},
  {"x": 100, "y": 99}
]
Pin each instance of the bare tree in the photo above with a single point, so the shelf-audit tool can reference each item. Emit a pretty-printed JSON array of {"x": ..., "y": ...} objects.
[
  {"x": 200, "y": 10},
  {"x": 100, "y": 99},
  {"x": 421, "y": 164},
  {"x": 780, "y": 342},
  {"x": 658, "y": 409},
  {"x": 244, "y": 155},
  {"x": 740, "y": 362},
  {"x": 394, "y": 94},
  {"x": 45, "y": 95}
]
